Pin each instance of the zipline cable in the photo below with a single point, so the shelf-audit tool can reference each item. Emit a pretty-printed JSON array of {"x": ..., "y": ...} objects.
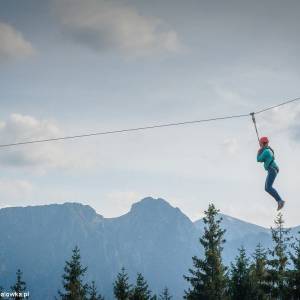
[
  {"x": 267, "y": 109},
  {"x": 278, "y": 105},
  {"x": 122, "y": 130},
  {"x": 152, "y": 127}
]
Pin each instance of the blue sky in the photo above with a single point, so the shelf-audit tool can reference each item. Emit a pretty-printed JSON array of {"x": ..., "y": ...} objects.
[{"x": 72, "y": 67}]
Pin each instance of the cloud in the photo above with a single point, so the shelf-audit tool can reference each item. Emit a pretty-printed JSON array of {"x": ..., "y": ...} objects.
[
  {"x": 12, "y": 44},
  {"x": 42, "y": 156},
  {"x": 231, "y": 146},
  {"x": 106, "y": 25},
  {"x": 14, "y": 192},
  {"x": 120, "y": 202},
  {"x": 283, "y": 120}
]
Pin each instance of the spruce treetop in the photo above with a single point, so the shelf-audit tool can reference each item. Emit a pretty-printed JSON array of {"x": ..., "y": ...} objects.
[
  {"x": 141, "y": 290},
  {"x": 207, "y": 278},
  {"x": 20, "y": 286},
  {"x": 122, "y": 286},
  {"x": 73, "y": 284},
  {"x": 165, "y": 295}
]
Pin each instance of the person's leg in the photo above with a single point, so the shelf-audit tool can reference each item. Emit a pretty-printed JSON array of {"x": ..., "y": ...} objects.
[{"x": 272, "y": 173}]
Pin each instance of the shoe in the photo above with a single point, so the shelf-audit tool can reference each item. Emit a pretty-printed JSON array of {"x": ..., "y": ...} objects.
[{"x": 280, "y": 205}]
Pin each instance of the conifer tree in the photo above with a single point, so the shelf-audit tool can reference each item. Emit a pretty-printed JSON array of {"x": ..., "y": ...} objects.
[
  {"x": 207, "y": 278},
  {"x": 74, "y": 289},
  {"x": 19, "y": 287},
  {"x": 240, "y": 287},
  {"x": 93, "y": 294},
  {"x": 259, "y": 273},
  {"x": 141, "y": 290},
  {"x": 121, "y": 286},
  {"x": 165, "y": 295},
  {"x": 295, "y": 272},
  {"x": 278, "y": 262}
]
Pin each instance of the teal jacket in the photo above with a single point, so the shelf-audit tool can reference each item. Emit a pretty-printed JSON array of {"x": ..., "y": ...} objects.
[{"x": 266, "y": 156}]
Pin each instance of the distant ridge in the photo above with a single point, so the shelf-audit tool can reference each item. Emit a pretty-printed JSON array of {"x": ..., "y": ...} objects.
[{"x": 153, "y": 238}]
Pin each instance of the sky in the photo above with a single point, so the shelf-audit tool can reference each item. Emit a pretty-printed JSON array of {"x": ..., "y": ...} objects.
[{"x": 72, "y": 67}]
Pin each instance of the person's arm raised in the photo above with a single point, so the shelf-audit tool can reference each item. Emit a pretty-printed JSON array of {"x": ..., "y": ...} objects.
[{"x": 260, "y": 155}]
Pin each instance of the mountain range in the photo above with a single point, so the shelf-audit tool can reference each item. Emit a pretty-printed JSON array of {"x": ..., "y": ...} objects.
[{"x": 153, "y": 238}]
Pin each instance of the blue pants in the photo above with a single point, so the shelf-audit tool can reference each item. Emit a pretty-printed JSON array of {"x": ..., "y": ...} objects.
[{"x": 272, "y": 173}]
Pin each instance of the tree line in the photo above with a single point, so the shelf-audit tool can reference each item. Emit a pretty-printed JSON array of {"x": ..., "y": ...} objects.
[
  {"x": 75, "y": 289},
  {"x": 17, "y": 290},
  {"x": 266, "y": 275}
]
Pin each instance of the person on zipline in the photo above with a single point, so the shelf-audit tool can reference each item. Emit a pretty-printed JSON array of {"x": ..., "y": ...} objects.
[{"x": 266, "y": 155}]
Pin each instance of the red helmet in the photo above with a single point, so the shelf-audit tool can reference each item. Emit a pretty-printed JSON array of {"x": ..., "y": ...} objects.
[{"x": 264, "y": 140}]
